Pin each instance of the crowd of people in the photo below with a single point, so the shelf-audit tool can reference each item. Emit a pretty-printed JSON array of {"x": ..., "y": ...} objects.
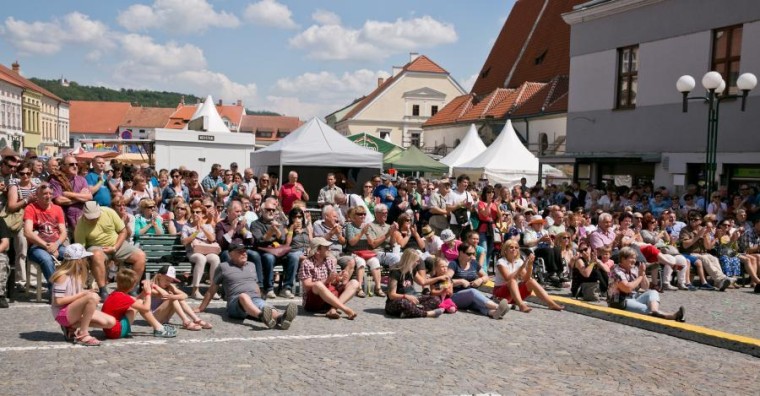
[{"x": 434, "y": 243}]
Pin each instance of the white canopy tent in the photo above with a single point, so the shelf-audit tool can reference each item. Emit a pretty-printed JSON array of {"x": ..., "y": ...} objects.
[
  {"x": 316, "y": 144},
  {"x": 470, "y": 147},
  {"x": 506, "y": 161}
]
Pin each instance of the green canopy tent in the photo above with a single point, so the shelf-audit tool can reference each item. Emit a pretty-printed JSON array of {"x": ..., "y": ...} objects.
[
  {"x": 375, "y": 143},
  {"x": 414, "y": 160}
]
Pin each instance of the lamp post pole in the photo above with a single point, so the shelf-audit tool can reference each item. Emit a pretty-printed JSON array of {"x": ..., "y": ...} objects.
[{"x": 715, "y": 86}]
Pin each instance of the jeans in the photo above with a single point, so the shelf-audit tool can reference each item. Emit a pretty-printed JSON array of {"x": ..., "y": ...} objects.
[
  {"x": 640, "y": 304},
  {"x": 290, "y": 265},
  {"x": 487, "y": 244},
  {"x": 44, "y": 259},
  {"x": 471, "y": 299},
  {"x": 254, "y": 257}
]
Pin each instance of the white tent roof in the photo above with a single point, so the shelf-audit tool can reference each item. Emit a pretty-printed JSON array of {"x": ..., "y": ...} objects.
[
  {"x": 506, "y": 161},
  {"x": 316, "y": 144},
  {"x": 470, "y": 147},
  {"x": 208, "y": 118}
]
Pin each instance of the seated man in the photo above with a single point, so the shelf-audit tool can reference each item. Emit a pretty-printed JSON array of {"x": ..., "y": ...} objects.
[
  {"x": 103, "y": 233},
  {"x": 324, "y": 289},
  {"x": 45, "y": 230},
  {"x": 266, "y": 232},
  {"x": 234, "y": 226},
  {"x": 238, "y": 277},
  {"x": 70, "y": 190},
  {"x": 329, "y": 229},
  {"x": 379, "y": 236}
]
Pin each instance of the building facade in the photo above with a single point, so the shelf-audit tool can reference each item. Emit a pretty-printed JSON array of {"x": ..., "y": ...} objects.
[
  {"x": 10, "y": 112},
  {"x": 625, "y": 115}
]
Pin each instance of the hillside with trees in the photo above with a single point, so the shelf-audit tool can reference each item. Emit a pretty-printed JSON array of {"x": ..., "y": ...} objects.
[{"x": 75, "y": 91}]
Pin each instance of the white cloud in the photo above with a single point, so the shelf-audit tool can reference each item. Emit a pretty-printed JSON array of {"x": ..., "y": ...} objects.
[
  {"x": 324, "y": 17},
  {"x": 47, "y": 38},
  {"x": 375, "y": 40},
  {"x": 176, "y": 16},
  {"x": 468, "y": 82},
  {"x": 270, "y": 13}
]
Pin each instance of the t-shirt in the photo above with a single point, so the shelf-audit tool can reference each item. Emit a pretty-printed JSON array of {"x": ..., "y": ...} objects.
[
  {"x": 454, "y": 197},
  {"x": 103, "y": 195},
  {"x": 433, "y": 246},
  {"x": 511, "y": 268},
  {"x": 351, "y": 231},
  {"x": 404, "y": 284},
  {"x": 45, "y": 222},
  {"x": 74, "y": 210},
  {"x": 617, "y": 275},
  {"x": 237, "y": 280},
  {"x": 289, "y": 193},
  {"x": 469, "y": 274},
  {"x": 321, "y": 230},
  {"x": 141, "y": 222},
  {"x": 103, "y": 232},
  {"x": 449, "y": 252},
  {"x": 375, "y": 231},
  {"x": 65, "y": 286},
  {"x": 117, "y": 304}
]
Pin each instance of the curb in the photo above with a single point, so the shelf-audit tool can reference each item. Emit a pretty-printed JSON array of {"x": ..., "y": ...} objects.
[{"x": 690, "y": 332}]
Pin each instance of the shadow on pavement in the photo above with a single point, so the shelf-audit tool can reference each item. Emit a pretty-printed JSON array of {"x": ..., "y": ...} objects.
[
  {"x": 377, "y": 311},
  {"x": 42, "y": 336}
]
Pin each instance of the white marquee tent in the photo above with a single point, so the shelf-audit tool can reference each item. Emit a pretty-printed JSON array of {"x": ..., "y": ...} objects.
[
  {"x": 316, "y": 144},
  {"x": 506, "y": 161},
  {"x": 470, "y": 147}
]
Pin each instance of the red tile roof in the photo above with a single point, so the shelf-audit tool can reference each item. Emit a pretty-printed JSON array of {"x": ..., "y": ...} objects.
[
  {"x": 182, "y": 114},
  {"x": 547, "y": 53},
  {"x": 147, "y": 117},
  {"x": 549, "y": 97},
  {"x": 97, "y": 117},
  {"x": 453, "y": 111},
  {"x": 14, "y": 78},
  {"x": 253, "y": 123},
  {"x": 421, "y": 64}
]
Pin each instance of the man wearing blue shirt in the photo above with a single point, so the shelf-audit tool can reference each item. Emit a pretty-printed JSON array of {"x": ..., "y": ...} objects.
[
  {"x": 386, "y": 191},
  {"x": 97, "y": 179}
]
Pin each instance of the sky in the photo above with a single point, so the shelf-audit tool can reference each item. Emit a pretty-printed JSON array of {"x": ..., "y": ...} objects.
[{"x": 301, "y": 58}]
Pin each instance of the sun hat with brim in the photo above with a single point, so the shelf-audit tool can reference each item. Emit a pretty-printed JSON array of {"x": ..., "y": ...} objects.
[
  {"x": 75, "y": 251},
  {"x": 447, "y": 235},
  {"x": 537, "y": 219},
  {"x": 91, "y": 210},
  {"x": 427, "y": 231}
]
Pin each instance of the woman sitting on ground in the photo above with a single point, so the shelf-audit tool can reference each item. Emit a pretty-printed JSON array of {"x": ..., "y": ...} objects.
[
  {"x": 73, "y": 308},
  {"x": 468, "y": 277},
  {"x": 514, "y": 279},
  {"x": 169, "y": 299},
  {"x": 626, "y": 280},
  {"x": 402, "y": 301},
  {"x": 587, "y": 267}
]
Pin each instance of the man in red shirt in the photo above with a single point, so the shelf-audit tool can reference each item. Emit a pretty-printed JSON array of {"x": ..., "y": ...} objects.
[
  {"x": 45, "y": 230},
  {"x": 292, "y": 191}
]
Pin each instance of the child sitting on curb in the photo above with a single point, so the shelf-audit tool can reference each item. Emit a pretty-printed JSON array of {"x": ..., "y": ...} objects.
[
  {"x": 122, "y": 307},
  {"x": 168, "y": 300}
]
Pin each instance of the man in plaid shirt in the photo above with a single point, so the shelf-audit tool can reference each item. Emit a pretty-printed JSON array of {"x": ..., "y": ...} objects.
[{"x": 324, "y": 289}]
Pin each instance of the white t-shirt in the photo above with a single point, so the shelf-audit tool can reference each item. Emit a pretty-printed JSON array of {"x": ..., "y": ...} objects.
[
  {"x": 352, "y": 201},
  {"x": 454, "y": 197},
  {"x": 511, "y": 267},
  {"x": 434, "y": 246},
  {"x": 66, "y": 286}
]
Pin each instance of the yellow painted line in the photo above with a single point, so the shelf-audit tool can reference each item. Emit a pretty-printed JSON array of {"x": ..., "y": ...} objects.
[{"x": 669, "y": 323}]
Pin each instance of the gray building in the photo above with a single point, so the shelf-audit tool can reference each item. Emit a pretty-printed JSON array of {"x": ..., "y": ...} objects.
[{"x": 624, "y": 112}]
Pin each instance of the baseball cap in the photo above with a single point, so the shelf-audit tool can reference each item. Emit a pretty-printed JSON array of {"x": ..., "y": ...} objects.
[
  {"x": 170, "y": 272},
  {"x": 237, "y": 244},
  {"x": 75, "y": 251},
  {"x": 319, "y": 241},
  {"x": 91, "y": 210}
]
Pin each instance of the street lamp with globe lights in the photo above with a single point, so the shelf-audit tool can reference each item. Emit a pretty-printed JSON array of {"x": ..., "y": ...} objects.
[{"x": 715, "y": 86}]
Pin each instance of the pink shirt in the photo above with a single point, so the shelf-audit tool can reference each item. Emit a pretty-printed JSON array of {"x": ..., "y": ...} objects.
[
  {"x": 600, "y": 238},
  {"x": 451, "y": 253}
]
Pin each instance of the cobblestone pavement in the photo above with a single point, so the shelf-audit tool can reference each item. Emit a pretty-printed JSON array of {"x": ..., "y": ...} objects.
[
  {"x": 543, "y": 352},
  {"x": 734, "y": 311}
]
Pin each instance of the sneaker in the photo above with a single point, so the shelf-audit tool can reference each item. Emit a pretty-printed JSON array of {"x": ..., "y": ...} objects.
[
  {"x": 706, "y": 286},
  {"x": 502, "y": 310},
  {"x": 217, "y": 296},
  {"x": 270, "y": 294},
  {"x": 286, "y": 293},
  {"x": 3, "y": 302},
  {"x": 436, "y": 312},
  {"x": 166, "y": 332},
  {"x": 680, "y": 315},
  {"x": 197, "y": 295},
  {"x": 724, "y": 284},
  {"x": 266, "y": 317},
  {"x": 670, "y": 287},
  {"x": 290, "y": 313}
]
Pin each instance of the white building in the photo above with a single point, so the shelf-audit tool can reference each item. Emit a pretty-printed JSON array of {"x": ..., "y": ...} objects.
[{"x": 10, "y": 111}]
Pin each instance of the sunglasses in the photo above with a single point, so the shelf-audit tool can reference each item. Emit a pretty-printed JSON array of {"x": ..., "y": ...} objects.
[
  {"x": 10, "y": 166},
  {"x": 367, "y": 186},
  {"x": 471, "y": 254},
  {"x": 361, "y": 214},
  {"x": 298, "y": 217},
  {"x": 176, "y": 176},
  {"x": 197, "y": 212},
  {"x": 150, "y": 207},
  {"x": 70, "y": 164},
  {"x": 25, "y": 173},
  {"x": 269, "y": 209},
  {"x": 209, "y": 206},
  {"x": 181, "y": 208},
  {"x": 513, "y": 247}
]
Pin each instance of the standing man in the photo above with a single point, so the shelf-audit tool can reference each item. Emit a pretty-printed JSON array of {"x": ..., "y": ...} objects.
[
  {"x": 70, "y": 190},
  {"x": 234, "y": 167},
  {"x": 103, "y": 233},
  {"x": 386, "y": 192},
  {"x": 327, "y": 193},
  {"x": 211, "y": 180},
  {"x": 7, "y": 169},
  {"x": 249, "y": 181},
  {"x": 459, "y": 203},
  {"x": 50, "y": 167},
  {"x": 45, "y": 230},
  {"x": 97, "y": 179},
  {"x": 292, "y": 191}
]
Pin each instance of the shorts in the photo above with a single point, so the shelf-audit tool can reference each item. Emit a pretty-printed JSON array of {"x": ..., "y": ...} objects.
[
  {"x": 692, "y": 259},
  {"x": 503, "y": 292},
  {"x": 314, "y": 303},
  {"x": 234, "y": 310},
  {"x": 126, "y": 327},
  {"x": 63, "y": 317},
  {"x": 121, "y": 255}
]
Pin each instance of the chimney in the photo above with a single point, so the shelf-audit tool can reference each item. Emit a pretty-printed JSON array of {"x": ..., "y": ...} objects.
[
  {"x": 182, "y": 100},
  {"x": 220, "y": 102},
  {"x": 239, "y": 102},
  {"x": 16, "y": 67},
  {"x": 413, "y": 56},
  {"x": 396, "y": 70},
  {"x": 380, "y": 81},
  {"x": 197, "y": 100}
]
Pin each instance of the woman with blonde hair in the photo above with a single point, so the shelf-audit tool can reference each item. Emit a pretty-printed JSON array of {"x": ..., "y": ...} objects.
[
  {"x": 200, "y": 230},
  {"x": 181, "y": 216},
  {"x": 73, "y": 308},
  {"x": 402, "y": 300},
  {"x": 137, "y": 193}
]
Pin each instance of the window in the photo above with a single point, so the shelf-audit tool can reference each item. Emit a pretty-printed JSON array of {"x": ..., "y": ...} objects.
[
  {"x": 282, "y": 134},
  {"x": 726, "y": 54},
  {"x": 628, "y": 74},
  {"x": 433, "y": 110},
  {"x": 415, "y": 141},
  {"x": 415, "y": 110},
  {"x": 385, "y": 134},
  {"x": 264, "y": 134}
]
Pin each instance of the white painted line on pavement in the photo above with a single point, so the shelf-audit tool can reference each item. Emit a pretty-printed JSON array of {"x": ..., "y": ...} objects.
[
  {"x": 200, "y": 341},
  {"x": 192, "y": 303}
]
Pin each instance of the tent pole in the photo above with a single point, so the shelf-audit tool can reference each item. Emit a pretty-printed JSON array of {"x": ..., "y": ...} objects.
[
  {"x": 540, "y": 170},
  {"x": 280, "y": 180}
]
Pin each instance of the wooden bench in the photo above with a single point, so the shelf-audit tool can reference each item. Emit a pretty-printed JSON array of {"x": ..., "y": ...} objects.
[{"x": 163, "y": 250}]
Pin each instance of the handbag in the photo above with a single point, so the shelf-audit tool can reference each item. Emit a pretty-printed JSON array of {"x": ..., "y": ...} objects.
[
  {"x": 366, "y": 254},
  {"x": 496, "y": 234},
  {"x": 14, "y": 220},
  {"x": 277, "y": 251},
  {"x": 461, "y": 216},
  {"x": 590, "y": 291},
  {"x": 204, "y": 248}
]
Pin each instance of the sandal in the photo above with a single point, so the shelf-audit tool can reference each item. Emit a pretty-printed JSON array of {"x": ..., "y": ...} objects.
[
  {"x": 86, "y": 340},
  {"x": 352, "y": 316},
  {"x": 203, "y": 324},
  {"x": 379, "y": 293},
  {"x": 332, "y": 315},
  {"x": 361, "y": 294},
  {"x": 191, "y": 326},
  {"x": 69, "y": 333}
]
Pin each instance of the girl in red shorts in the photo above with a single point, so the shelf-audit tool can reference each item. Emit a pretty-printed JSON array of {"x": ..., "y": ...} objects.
[{"x": 514, "y": 279}]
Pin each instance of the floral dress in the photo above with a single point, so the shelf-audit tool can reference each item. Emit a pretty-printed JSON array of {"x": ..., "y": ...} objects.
[{"x": 728, "y": 254}]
